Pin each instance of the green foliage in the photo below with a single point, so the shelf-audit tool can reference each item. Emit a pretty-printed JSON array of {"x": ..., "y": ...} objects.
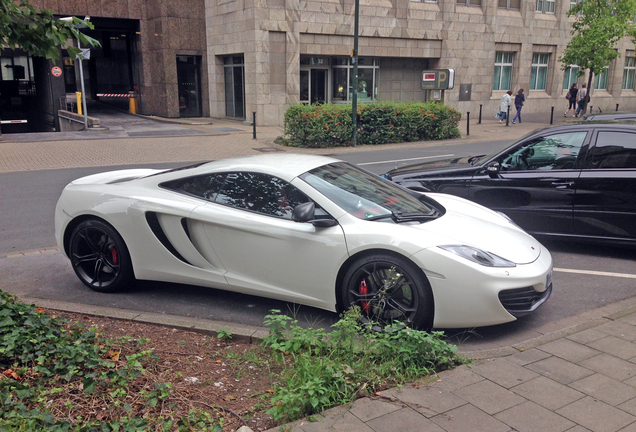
[
  {"x": 329, "y": 125},
  {"x": 225, "y": 335},
  {"x": 43, "y": 356},
  {"x": 38, "y": 33},
  {"x": 324, "y": 370},
  {"x": 598, "y": 27}
]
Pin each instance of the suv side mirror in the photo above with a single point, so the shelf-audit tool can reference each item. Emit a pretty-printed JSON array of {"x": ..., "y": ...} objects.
[{"x": 493, "y": 169}]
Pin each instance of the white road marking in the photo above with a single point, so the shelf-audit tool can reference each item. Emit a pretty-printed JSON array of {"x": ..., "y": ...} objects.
[
  {"x": 405, "y": 160},
  {"x": 596, "y": 273}
]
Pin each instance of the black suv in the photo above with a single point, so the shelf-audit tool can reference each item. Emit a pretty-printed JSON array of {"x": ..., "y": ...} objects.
[{"x": 576, "y": 180}]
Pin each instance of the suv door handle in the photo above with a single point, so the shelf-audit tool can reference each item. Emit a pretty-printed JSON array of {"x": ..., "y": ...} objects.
[{"x": 563, "y": 184}]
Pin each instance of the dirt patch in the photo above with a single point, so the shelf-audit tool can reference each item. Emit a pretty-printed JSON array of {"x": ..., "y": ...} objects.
[{"x": 227, "y": 379}]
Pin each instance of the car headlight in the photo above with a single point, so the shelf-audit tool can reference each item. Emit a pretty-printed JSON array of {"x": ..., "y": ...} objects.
[{"x": 479, "y": 256}]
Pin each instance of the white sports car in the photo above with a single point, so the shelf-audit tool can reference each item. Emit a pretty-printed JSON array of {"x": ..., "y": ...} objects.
[{"x": 307, "y": 229}]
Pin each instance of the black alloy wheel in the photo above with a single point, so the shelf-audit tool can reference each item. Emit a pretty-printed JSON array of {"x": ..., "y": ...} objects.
[
  {"x": 99, "y": 257},
  {"x": 389, "y": 289}
]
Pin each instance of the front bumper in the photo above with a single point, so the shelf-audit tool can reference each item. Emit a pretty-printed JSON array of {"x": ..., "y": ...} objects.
[{"x": 470, "y": 295}]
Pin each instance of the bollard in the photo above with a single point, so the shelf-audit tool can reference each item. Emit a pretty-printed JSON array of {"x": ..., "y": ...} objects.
[
  {"x": 132, "y": 103},
  {"x": 508, "y": 116},
  {"x": 480, "y": 105},
  {"x": 616, "y": 107},
  {"x": 254, "y": 124},
  {"x": 78, "y": 96},
  {"x": 468, "y": 123},
  {"x": 552, "y": 115}
]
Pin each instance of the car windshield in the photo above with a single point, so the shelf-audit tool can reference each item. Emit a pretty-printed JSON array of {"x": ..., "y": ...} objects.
[
  {"x": 365, "y": 195},
  {"x": 482, "y": 159}
]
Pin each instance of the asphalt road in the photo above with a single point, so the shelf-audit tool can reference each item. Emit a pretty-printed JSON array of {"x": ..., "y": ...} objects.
[{"x": 586, "y": 277}]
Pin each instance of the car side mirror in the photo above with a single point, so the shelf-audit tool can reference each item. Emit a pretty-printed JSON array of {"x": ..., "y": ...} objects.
[
  {"x": 305, "y": 213},
  {"x": 493, "y": 169}
]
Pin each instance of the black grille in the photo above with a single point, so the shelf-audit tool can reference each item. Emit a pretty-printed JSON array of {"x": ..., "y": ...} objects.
[{"x": 520, "y": 301}]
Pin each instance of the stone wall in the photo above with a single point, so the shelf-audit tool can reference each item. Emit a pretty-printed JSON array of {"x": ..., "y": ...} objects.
[{"x": 406, "y": 36}]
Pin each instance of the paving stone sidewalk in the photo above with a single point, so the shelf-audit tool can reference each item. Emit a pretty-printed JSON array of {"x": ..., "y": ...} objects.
[{"x": 582, "y": 382}]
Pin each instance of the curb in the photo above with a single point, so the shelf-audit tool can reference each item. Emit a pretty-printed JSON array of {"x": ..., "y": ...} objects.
[{"x": 255, "y": 334}]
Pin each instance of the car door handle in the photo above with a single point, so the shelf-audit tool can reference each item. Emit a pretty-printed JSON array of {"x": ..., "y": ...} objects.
[{"x": 563, "y": 184}]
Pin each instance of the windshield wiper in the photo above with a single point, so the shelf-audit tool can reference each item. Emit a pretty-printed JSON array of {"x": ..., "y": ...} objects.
[
  {"x": 474, "y": 159},
  {"x": 399, "y": 217}
]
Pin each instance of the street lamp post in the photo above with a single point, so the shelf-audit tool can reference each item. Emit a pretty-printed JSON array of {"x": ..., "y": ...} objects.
[
  {"x": 354, "y": 60},
  {"x": 80, "y": 57}
]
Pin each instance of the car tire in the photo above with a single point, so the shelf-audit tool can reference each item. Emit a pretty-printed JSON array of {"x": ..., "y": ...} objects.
[
  {"x": 396, "y": 291},
  {"x": 100, "y": 257}
]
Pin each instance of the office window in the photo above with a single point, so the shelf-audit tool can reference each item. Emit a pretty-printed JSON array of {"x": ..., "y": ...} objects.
[
  {"x": 342, "y": 79},
  {"x": 571, "y": 76},
  {"x": 600, "y": 80},
  {"x": 469, "y": 2},
  {"x": 502, "y": 77},
  {"x": 545, "y": 6},
  {"x": 509, "y": 4},
  {"x": 539, "y": 72},
  {"x": 574, "y": 3},
  {"x": 628, "y": 73}
]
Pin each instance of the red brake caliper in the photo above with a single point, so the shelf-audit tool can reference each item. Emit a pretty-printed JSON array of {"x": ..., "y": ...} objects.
[
  {"x": 114, "y": 253},
  {"x": 364, "y": 290}
]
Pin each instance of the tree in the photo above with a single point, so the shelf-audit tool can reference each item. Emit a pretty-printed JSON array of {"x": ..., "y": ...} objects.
[
  {"x": 39, "y": 33},
  {"x": 599, "y": 26}
]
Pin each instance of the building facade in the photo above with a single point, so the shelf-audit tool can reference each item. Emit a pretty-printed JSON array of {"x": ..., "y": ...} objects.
[{"x": 264, "y": 55}]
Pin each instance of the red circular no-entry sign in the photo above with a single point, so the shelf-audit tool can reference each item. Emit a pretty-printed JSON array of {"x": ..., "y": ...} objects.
[{"x": 56, "y": 71}]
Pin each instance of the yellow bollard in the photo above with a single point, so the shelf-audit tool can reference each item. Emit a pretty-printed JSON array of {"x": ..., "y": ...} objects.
[
  {"x": 132, "y": 104},
  {"x": 78, "y": 96}
]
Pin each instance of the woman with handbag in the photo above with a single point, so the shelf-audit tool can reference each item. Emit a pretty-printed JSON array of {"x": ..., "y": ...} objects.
[{"x": 571, "y": 97}]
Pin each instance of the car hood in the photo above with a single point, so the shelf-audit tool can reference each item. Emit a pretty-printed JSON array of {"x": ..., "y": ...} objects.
[
  {"x": 438, "y": 165},
  {"x": 470, "y": 224}
]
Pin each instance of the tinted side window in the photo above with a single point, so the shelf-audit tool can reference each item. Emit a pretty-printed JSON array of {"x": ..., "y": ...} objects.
[
  {"x": 205, "y": 186},
  {"x": 554, "y": 152},
  {"x": 261, "y": 193},
  {"x": 614, "y": 150}
]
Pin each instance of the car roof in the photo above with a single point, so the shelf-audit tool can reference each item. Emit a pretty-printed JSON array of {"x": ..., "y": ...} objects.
[
  {"x": 611, "y": 116},
  {"x": 285, "y": 166}
]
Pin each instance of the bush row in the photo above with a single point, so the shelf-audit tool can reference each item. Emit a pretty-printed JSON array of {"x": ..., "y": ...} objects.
[{"x": 330, "y": 125}]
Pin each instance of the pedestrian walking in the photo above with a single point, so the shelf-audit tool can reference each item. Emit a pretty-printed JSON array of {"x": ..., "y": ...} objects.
[
  {"x": 520, "y": 98},
  {"x": 571, "y": 97},
  {"x": 504, "y": 105},
  {"x": 582, "y": 99}
]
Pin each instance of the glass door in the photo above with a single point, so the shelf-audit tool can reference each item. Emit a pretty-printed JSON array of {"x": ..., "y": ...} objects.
[
  {"x": 234, "y": 73},
  {"x": 318, "y": 86},
  {"x": 189, "y": 81}
]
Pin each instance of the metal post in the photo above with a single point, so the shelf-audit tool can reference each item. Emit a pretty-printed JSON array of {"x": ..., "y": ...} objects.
[
  {"x": 552, "y": 116},
  {"x": 480, "y": 105},
  {"x": 80, "y": 58},
  {"x": 468, "y": 123},
  {"x": 354, "y": 60},
  {"x": 508, "y": 116},
  {"x": 254, "y": 124},
  {"x": 616, "y": 107},
  {"x": 591, "y": 109}
]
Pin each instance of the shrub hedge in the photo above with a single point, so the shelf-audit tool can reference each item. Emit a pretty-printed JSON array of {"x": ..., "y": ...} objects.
[{"x": 329, "y": 125}]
